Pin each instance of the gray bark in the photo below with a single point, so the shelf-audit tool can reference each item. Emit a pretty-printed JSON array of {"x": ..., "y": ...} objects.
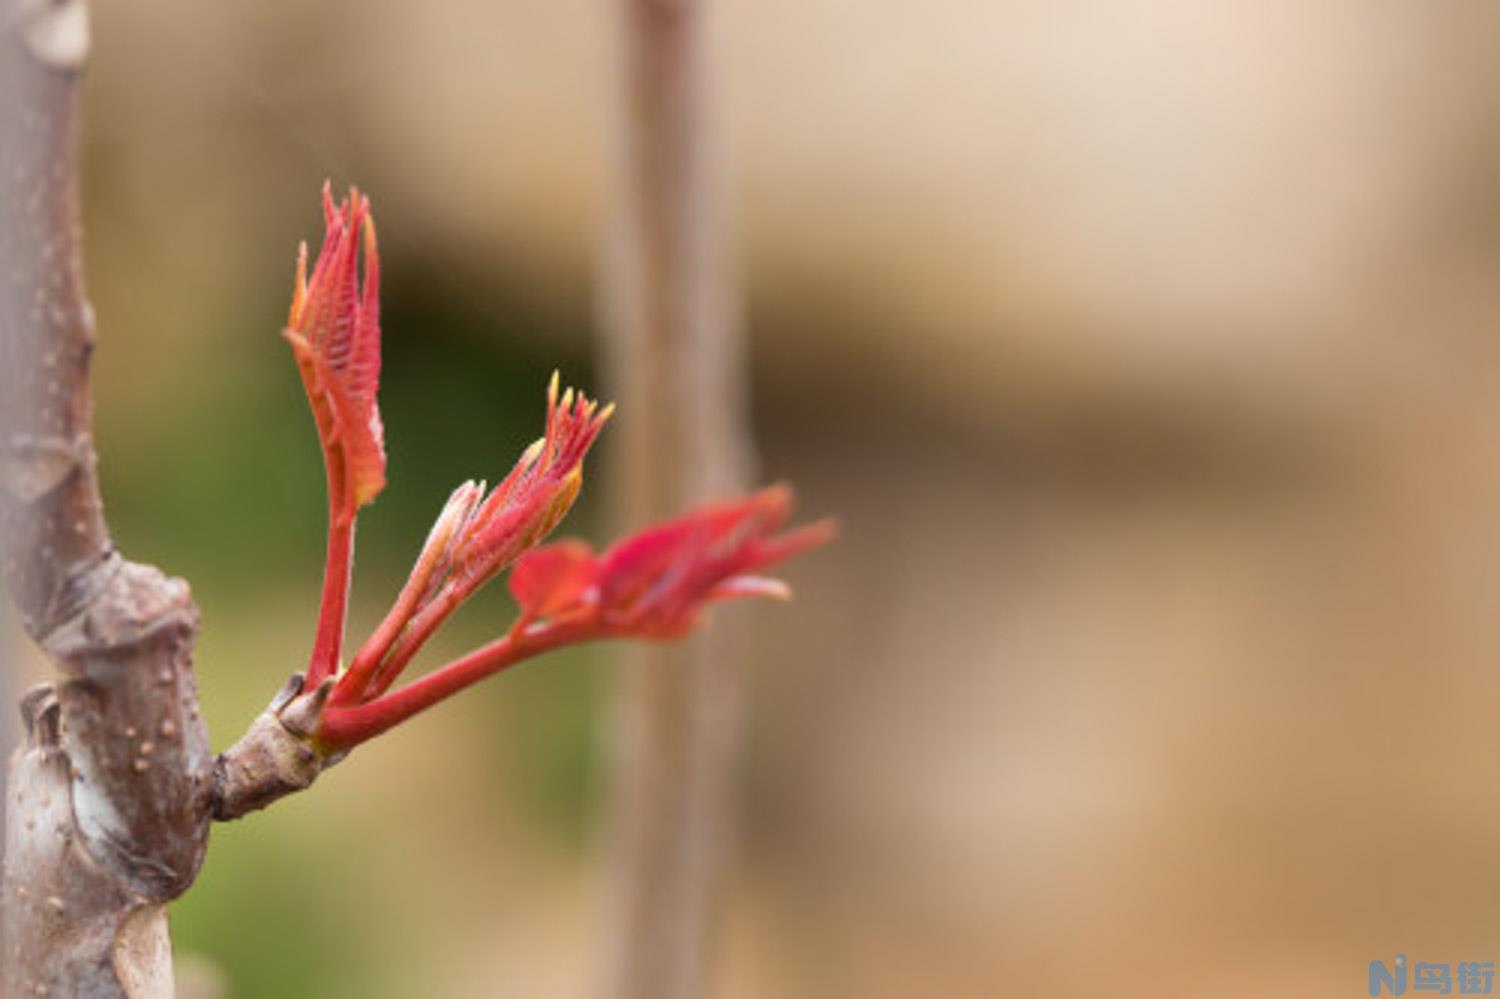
[
  {"x": 109, "y": 794},
  {"x": 7, "y": 728}
]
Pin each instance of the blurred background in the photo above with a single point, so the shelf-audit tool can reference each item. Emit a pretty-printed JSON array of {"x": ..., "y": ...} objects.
[{"x": 1149, "y": 353}]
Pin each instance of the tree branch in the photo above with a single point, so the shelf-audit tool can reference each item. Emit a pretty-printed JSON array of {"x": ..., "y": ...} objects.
[
  {"x": 110, "y": 790},
  {"x": 676, "y": 360}
]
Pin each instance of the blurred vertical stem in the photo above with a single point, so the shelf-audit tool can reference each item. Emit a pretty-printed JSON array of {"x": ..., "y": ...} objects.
[{"x": 676, "y": 362}]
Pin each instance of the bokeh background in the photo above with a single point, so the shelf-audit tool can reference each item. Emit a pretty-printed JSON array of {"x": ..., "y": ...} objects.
[{"x": 1150, "y": 354}]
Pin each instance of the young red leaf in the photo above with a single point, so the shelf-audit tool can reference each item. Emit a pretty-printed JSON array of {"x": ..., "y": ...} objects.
[
  {"x": 739, "y": 587},
  {"x": 334, "y": 330},
  {"x": 654, "y": 583},
  {"x": 548, "y": 580}
]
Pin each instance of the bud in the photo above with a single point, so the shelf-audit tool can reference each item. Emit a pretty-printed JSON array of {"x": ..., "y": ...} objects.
[{"x": 537, "y": 494}]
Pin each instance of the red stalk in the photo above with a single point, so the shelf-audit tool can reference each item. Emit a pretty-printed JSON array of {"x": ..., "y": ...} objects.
[
  {"x": 418, "y": 631},
  {"x": 344, "y": 727},
  {"x": 333, "y": 610},
  {"x": 328, "y": 646},
  {"x": 368, "y": 659}
]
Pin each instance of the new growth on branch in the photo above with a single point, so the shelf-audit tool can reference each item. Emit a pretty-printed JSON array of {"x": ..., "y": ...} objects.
[{"x": 654, "y": 584}]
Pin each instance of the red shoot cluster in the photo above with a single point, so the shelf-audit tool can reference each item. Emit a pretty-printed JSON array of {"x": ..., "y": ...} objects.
[
  {"x": 475, "y": 540},
  {"x": 654, "y": 584}
]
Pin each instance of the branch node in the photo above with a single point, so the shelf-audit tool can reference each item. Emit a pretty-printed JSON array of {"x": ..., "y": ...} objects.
[
  {"x": 38, "y": 464},
  {"x": 41, "y": 712},
  {"x": 275, "y": 757},
  {"x": 111, "y": 607}
]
